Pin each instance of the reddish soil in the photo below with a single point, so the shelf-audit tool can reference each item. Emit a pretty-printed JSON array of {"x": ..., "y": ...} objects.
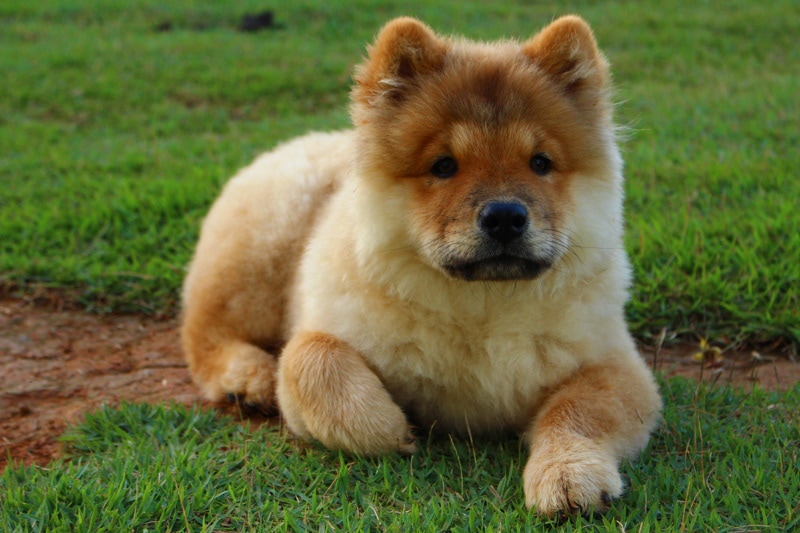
[{"x": 55, "y": 366}]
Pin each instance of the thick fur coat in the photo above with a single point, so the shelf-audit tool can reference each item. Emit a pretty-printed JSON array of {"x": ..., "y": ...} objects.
[{"x": 455, "y": 261}]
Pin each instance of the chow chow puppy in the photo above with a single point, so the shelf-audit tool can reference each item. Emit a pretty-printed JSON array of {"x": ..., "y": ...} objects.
[{"x": 455, "y": 261}]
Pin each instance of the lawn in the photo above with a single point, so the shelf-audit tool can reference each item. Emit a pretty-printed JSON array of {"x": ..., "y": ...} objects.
[
  {"x": 148, "y": 468},
  {"x": 121, "y": 120}
]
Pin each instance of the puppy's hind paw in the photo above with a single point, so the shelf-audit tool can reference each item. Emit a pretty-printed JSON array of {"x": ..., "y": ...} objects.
[
  {"x": 408, "y": 446},
  {"x": 269, "y": 410},
  {"x": 247, "y": 378}
]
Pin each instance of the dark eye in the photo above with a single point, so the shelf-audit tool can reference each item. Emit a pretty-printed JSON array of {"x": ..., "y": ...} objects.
[
  {"x": 444, "y": 167},
  {"x": 541, "y": 164}
]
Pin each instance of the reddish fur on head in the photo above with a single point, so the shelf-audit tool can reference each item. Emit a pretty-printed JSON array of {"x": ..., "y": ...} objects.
[{"x": 419, "y": 97}]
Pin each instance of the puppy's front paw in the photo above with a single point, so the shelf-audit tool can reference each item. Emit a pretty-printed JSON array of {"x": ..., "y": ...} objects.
[
  {"x": 574, "y": 476},
  {"x": 364, "y": 420},
  {"x": 373, "y": 427},
  {"x": 327, "y": 391}
]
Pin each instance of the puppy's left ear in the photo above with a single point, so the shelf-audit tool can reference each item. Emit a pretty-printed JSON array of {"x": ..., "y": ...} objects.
[
  {"x": 567, "y": 52},
  {"x": 405, "y": 50}
]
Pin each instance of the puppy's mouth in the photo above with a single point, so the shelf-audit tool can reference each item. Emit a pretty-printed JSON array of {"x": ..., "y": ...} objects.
[{"x": 502, "y": 267}]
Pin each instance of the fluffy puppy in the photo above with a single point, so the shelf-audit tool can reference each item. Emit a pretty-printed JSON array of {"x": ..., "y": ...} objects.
[{"x": 456, "y": 260}]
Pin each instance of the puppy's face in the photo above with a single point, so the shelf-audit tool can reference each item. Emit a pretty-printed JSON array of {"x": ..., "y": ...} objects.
[{"x": 488, "y": 141}]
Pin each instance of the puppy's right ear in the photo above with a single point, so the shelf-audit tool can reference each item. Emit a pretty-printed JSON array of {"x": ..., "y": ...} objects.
[{"x": 405, "y": 50}]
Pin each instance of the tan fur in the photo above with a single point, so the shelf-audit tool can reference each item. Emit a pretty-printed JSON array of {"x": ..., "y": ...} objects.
[{"x": 398, "y": 301}]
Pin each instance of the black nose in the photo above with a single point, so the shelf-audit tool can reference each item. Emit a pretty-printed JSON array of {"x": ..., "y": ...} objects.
[{"x": 504, "y": 221}]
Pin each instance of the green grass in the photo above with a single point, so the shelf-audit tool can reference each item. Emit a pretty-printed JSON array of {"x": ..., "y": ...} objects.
[
  {"x": 115, "y": 138},
  {"x": 721, "y": 461}
]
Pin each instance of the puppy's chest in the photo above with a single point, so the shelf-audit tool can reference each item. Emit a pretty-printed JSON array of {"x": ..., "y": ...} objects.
[{"x": 479, "y": 375}]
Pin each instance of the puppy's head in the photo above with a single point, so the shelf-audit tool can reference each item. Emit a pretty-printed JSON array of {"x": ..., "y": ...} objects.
[{"x": 498, "y": 150}]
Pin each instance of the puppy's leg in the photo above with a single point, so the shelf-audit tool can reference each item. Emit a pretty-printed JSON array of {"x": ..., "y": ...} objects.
[
  {"x": 598, "y": 416},
  {"x": 326, "y": 391},
  {"x": 236, "y": 293}
]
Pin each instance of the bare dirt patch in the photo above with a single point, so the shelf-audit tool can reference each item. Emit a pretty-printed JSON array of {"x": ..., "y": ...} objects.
[
  {"x": 740, "y": 368},
  {"x": 55, "y": 366}
]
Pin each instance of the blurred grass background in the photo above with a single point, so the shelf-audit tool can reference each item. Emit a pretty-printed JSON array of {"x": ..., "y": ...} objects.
[{"x": 120, "y": 121}]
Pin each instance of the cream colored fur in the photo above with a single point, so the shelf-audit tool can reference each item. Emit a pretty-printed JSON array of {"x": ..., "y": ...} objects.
[
  {"x": 313, "y": 244},
  {"x": 239, "y": 282}
]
